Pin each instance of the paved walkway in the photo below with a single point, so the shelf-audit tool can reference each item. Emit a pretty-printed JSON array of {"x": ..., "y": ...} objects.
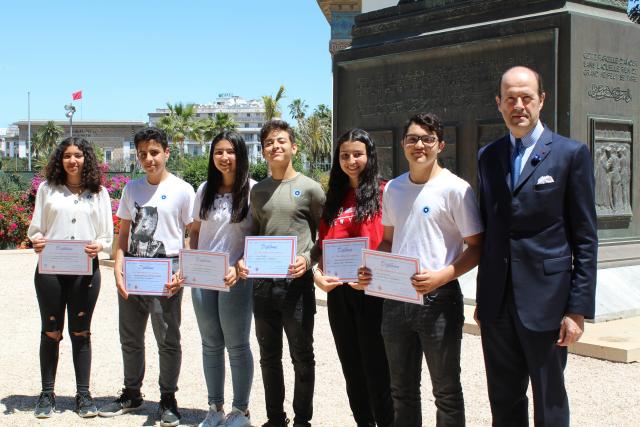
[{"x": 601, "y": 392}]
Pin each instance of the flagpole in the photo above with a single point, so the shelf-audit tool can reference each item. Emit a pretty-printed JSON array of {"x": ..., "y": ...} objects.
[{"x": 29, "y": 128}]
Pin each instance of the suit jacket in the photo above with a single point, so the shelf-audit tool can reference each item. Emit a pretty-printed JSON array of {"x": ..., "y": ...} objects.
[{"x": 544, "y": 232}]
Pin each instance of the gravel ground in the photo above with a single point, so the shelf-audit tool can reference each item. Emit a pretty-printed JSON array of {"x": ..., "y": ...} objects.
[{"x": 601, "y": 393}]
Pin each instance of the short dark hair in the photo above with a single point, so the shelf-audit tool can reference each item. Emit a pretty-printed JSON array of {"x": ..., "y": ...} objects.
[
  {"x": 535, "y": 73},
  {"x": 149, "y": 133},
  {"x": 276, "y": 124},
  {"x": 427, "y": 121}
]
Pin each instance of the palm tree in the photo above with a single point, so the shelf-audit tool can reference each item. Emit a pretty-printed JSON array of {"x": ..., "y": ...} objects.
[
  {"x": 181, "y": 124},
  {"x": 211, "y": 127},
  {"x": 271, "y": 107},
  {"x": 298, "y": 109},
  {"x": 46, "y": 138},
  {"x": 315, "y": 137}
]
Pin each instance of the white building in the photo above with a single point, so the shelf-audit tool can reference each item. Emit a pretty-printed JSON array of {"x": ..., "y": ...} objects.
[
  {"x": 247, "y": 114},
  {"x": 115, "y": 138}
]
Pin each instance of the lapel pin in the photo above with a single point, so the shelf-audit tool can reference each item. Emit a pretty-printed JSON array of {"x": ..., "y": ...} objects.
[{"x": 535, "y": 159}]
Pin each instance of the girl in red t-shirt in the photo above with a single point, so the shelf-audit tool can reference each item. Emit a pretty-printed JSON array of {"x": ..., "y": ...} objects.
[{"x": 354, "y": 209}]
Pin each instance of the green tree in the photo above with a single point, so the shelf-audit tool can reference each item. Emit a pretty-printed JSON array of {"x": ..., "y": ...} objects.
[
  {"x": 181, "y": 124},
  {"x": 46, "y": 139},
  {"x": 315, "y": 135},
  {"x": 271, "y": 104},
  {"x": 210, "y": 127},
  {"x": 298, "y": 109}
]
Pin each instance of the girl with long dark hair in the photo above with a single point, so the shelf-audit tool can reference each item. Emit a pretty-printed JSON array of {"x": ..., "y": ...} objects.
[
  {"x": 353, "y": 209},
  {"x": 221, "y": 221},
  {"x": 70, "y": 205}
]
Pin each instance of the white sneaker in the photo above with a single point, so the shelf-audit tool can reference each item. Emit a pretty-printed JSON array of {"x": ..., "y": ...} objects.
[
  {"x": 214, "y": 417},
  {"x": 237, "y": 418}
]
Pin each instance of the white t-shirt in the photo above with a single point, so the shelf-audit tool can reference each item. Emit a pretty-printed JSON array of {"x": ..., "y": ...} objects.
[
  {"x": 430, "y": 220},
  {"x": 159, "y": 215},
  {"x": 217, "y": 233},
  {"x": 59, "y": 214}
]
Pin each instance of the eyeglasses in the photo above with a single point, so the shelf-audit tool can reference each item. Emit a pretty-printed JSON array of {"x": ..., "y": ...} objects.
[{"x": 428, "y": 140}]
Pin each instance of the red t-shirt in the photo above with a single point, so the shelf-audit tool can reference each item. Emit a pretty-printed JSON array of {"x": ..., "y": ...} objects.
[{"x": 345, "y": 224}]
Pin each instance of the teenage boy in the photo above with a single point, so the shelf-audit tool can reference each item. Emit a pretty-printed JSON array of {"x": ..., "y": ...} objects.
[
  {"x": 286, "y": 204},
  {"x": 428, "y": 213},
  {"x": 155, "y": 211}
]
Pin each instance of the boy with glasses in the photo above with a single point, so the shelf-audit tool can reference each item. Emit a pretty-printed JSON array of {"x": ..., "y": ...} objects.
[{"x": 428, "y": 213}]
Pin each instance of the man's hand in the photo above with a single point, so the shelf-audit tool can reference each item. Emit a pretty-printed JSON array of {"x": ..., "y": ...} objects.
[
  {"x": 475, "y": 316},
  {"x": 243, "y": 271},
  {"x": 427, "y": 281},
  {"x": 298, "y": 268},
  {"x": 571, "y": 329},
  {"x": 120, "y": 284},
  {"x": 93, "y": 249},
  {"x": 176, "y": 283},
  {"x": 38, "y": 244},
  {"x": 364, "y": 278},
  {"x": 232, "y": 277}
]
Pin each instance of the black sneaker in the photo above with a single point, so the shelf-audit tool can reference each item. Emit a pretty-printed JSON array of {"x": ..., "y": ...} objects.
[
  {"x": 169, "y": 415},
  {"x": 45, "y": 405},
  {"x": 85, "y": 406},
  {"x": 127, "y": 402},
  {"x": 270, "y": 423}
]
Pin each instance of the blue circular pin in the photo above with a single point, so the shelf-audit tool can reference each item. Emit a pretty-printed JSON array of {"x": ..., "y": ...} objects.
[
  {"x": 426, "y": 210},
  {"x": 164, "y": 196},
  {"x": 297, "y": 193}
]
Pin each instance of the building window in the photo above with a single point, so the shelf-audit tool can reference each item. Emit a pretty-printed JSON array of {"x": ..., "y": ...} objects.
[{"x": 107, "y": 156}]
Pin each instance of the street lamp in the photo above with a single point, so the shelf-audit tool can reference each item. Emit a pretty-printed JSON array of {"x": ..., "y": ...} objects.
[{"x": 71, "y": 109}]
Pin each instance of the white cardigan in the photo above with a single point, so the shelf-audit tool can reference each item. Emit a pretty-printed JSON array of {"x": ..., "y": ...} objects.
[{"x": 60, "y": 214}]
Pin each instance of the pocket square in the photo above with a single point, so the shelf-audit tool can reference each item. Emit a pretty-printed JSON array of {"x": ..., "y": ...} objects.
[{"x": 547, "y": 179}]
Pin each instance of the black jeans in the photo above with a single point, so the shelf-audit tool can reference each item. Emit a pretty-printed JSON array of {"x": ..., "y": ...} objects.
[
  {"x": 355, "y": 320},
  {"x": 288, "y": 305},
  {"x": 435, "y": 329},
  {"x": 78, "y": 295}
]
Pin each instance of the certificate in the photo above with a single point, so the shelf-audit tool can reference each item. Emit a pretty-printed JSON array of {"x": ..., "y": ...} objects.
[
  {"x": 204, "y": 269},
  {"x": 269, "y": 256},
  {"x": 341, "y": 258},
  {"x": 65, "y": 257},
  {"x": 391, "y": 276},
  {"x": 147, "y": 276}
]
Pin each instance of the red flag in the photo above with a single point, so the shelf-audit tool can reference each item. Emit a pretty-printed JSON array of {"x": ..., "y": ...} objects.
[{"x": 76, "y": 95}]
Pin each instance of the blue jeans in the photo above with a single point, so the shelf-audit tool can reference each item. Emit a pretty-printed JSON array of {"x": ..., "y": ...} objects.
[
  {"x": 224, "y": 320},
  {"x": 435, "y": 329}
]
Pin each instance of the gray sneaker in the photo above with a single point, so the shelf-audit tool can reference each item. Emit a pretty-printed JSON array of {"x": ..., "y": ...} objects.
[
  {"x": 127, "y": 402},
  {"x": 169, "y": 415},
  {"x": 45, "y": 405},
  {"x": 214, "y": 417},
  {"x": 237, "y": 418},
  {"x": 85, "y": 406}
]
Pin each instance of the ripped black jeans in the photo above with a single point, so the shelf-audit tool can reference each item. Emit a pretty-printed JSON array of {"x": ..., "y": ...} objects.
[
  {"x": 78, "y": 294},
  {"x": 288, "y": 305}
]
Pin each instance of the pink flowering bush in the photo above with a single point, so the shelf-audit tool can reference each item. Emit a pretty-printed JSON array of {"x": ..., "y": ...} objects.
[{"x": 15, "y": 217}]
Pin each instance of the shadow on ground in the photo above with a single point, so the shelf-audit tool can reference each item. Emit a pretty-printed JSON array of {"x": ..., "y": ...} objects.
[{"x": 25, "y": 403}]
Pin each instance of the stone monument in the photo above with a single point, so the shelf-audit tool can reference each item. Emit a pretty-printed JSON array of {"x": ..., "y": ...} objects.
[{"x": 446, "y": 56}]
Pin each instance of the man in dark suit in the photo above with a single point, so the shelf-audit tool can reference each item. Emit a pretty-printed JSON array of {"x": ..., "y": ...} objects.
[{"x": 537, "y": 273}]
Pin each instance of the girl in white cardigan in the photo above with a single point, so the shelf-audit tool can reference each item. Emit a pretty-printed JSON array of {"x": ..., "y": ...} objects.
[{"x": 70, "y": 205}]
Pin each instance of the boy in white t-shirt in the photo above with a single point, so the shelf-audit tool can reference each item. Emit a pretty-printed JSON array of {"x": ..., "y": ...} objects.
[
  {"x": 428, "y": 213},
  {"x": 155, "y": 211}
]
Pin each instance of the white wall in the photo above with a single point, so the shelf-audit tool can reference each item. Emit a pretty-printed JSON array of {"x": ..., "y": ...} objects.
[{"x": 369, "y": 5}]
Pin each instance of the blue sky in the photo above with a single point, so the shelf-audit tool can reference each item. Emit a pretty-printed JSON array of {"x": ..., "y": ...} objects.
[{"x": 130, "y": 57}]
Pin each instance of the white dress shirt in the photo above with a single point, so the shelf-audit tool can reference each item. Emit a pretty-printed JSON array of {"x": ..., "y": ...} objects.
[{"x": 60, "y": 214}]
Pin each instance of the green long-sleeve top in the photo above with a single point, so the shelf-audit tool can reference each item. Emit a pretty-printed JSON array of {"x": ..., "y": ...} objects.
[{"x": 291, "y": 207}]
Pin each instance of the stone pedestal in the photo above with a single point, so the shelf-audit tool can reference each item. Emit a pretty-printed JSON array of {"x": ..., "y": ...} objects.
[{"x": 446, "y": 56}]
